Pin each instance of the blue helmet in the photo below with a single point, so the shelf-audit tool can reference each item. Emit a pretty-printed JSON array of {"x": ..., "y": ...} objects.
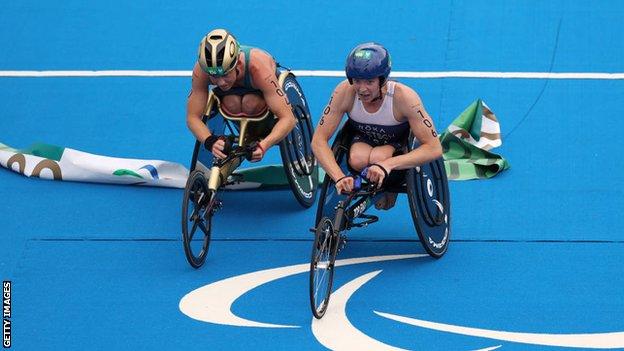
[{"x": 367, "y": 61}]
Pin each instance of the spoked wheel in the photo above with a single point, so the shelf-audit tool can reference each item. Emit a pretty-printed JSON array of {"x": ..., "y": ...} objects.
[
  {"x": 198, "y": 206},
  {"x": 322, "y": 266}
]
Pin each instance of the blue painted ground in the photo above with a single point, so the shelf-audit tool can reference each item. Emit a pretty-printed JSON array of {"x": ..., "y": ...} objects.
[{"x": 537, "y": 249}]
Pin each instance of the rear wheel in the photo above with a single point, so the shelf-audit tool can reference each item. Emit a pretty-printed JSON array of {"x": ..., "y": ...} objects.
[
  {"x": 430, "y": 206},
  {"x": 299, "y": 162}
]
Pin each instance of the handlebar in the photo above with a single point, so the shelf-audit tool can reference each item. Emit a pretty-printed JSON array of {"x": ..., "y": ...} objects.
[
  {"x": 362, "y": 188},
  {"x": 239, "y": 151}
]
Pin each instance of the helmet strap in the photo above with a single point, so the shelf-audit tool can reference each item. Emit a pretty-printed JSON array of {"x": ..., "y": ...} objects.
[{"x": 382, "y": 82}]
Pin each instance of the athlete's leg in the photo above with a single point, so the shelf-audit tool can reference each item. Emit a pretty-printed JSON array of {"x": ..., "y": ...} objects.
[
  {"x": 359, "y": 155},
  {"x": 253, "y": 104},
  {"x": 231, "y": 104},
  {"x": 381, "y": 153},
  {"x": 378, "y": 154}
]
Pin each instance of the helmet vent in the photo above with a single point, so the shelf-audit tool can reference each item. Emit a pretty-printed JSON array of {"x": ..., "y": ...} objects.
[
  {"x": 216, "y": 37},
  {"x": 220, "y": 55},
  {"x": 208, "y": 56}
]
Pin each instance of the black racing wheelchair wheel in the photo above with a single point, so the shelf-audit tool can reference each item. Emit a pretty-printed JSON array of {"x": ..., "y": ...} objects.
[
  {"x": 430, "y": 204},
  {"x": 322, "y": 266},
  {"x": 197, "y": 210},
  {"x": 299, "y": 162}
]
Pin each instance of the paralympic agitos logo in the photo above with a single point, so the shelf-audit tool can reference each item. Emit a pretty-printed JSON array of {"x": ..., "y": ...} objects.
[{"x": 212, "y": 303}]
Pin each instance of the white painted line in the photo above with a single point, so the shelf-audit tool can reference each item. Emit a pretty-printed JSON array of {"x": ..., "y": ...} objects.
[
  {"x": 320, "y": 73},
  {"x": 131, "y": 73},
  {"x": 212, "y": 303},
  {"x": 336, "y": 332},
  {"x": 586, "y": 340}
]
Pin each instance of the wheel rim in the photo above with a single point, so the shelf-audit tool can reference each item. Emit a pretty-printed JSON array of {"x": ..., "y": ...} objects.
[
  {"x": 322, "y": 267},
  {"x": 197, "y": 218},
  {"x": 300, "y": 164},
  {"x": 430, "y": 206}
]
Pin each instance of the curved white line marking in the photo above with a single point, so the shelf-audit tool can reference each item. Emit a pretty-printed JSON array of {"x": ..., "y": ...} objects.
[
  {"x": 489, "y": 348},
  {"x": 213, "y": 303},
  {"x": 335, "y": 331},
  {"x": 596, "y": 341}
]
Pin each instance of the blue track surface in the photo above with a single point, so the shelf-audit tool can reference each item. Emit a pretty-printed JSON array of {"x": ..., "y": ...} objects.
[{"x": 538, "y": 249}]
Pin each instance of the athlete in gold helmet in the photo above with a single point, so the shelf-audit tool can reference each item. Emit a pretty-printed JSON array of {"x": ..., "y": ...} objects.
[{"x": 246, "y": 83}]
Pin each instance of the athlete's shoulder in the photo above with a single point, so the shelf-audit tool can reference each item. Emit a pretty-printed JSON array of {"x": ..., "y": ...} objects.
[
  {"x": 199, "y": 77},
  {"x": 261, "y": 63},
  {"x": 344, "y": 95},
  {"x": 259, "y": 56},
  {"x": 405, "y": 94}
]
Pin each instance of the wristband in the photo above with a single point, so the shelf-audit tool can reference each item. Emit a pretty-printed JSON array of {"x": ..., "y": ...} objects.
[
  {"x": 381, "y": 167},
  {"x": 209, "y": 142},
  {"x": 261, "y": 148},
  {"x": 341, "y": 178}
]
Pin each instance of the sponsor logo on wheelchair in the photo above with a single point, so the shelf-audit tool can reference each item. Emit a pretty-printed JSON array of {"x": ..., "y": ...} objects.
[
  {"x": 360, "y": 209},
  {"x": 306, "y": 194},
  {"x": 294, "y": 85},
  {"x": 433, "y": 243}
]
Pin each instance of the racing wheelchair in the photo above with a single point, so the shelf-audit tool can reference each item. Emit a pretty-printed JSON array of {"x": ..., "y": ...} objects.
[
  {"x": 209, "y": 176},
  {"x": 429, "y": 202}
]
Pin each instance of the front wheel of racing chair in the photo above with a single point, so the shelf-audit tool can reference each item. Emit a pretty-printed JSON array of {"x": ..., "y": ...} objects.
[
  {"x": 326, "y": 238},
  {"x": 198, "y": 206},
  {"x": 324, "y": 252}
]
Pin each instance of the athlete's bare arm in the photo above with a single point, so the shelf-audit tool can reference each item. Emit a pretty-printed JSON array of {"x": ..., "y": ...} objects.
[
  {"x": 262, "y": 70},
  {"x": 196, "y": 105},
  {"x": 408, "y": 104},
  {"x": 339, "y": 103}
]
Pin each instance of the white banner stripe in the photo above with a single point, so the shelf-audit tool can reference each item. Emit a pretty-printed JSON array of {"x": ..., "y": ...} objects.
[{"x": 320, "y": 73}]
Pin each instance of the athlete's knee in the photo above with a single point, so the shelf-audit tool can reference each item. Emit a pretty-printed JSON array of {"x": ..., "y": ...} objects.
[
  {"x": 231, "y": 104},
  {"x": 358, "y": 160},
  {"x": 379, "y": 154},
  {"x": 253, "y": 104}
]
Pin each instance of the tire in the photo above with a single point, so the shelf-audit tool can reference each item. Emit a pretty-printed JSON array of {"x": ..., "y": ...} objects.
[
  {"x": 299, "y": 162},
  {"x": 322, "y": 266},
  {"x": 197, "y": 214},
  {"x": 430, "y": 206}
]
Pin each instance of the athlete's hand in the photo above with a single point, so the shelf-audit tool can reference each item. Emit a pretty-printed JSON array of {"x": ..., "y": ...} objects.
[
  {"x": 258, "y": 152},
  {"x": 344, "y": 184},
  {"x": 218, "y": 147},
  {"x": 377, "y": 173}
]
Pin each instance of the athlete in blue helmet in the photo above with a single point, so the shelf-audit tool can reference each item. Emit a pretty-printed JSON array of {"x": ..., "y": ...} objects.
[{"x": 382, "y": 113}]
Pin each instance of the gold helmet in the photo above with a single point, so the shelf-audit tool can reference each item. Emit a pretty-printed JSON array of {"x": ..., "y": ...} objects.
[{"x": 218, "y": 52}]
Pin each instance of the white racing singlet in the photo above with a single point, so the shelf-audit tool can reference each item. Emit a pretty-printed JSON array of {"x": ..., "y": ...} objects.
[{"x": 380, "y": 127}]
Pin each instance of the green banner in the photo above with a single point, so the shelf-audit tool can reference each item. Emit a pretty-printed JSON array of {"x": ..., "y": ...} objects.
[
  {"x": 466, "y": 144},
  {"x": 467, "y": 141}
]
